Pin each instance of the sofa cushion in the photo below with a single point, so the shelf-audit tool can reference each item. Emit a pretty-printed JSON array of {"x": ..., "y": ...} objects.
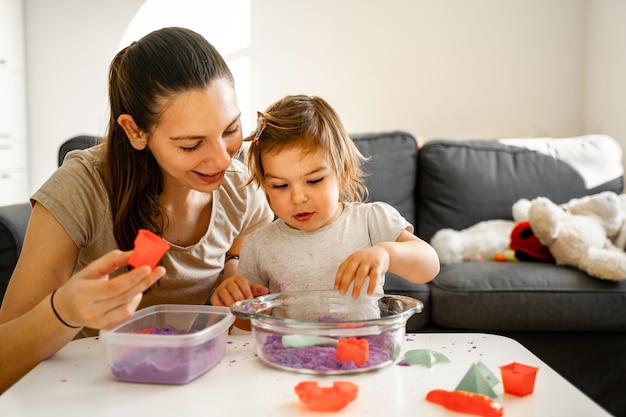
[
  {"x": 13, "y": 222},
  {"x": 525, "y": 296},
  {"x": 462, "y": 183},
  {"x": 391, "y": 170}
]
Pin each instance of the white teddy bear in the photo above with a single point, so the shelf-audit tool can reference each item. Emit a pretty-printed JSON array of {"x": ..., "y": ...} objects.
[
  {"x": 479, "y": 242},
  {"x": 581, "y": 234},
  {"x": 588, "y": 233}
]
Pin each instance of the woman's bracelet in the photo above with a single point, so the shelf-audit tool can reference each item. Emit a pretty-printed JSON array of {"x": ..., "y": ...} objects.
[
  {"x": 54, "y": 310},
  {"x": 230, "y": 257}
]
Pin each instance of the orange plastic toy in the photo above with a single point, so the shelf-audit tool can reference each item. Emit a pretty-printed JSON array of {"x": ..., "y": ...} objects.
[
  {"x": 353, "y": 349},
  {"x": 518, "y": 379},
  {"x": 147, "y": 330},
  {"x": 466, "y": 402},
  {"x": 149, "y": 249},
  {"x": 332, "y": 398}
]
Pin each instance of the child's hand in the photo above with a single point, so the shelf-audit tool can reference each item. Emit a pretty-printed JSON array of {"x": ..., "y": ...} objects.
[
  {"x": 236, "y": 288},
  {"x": 369, "y": 263}
]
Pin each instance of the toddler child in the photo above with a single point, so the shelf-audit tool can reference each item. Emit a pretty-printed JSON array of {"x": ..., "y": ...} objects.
[{"x": 325, "y": 237}]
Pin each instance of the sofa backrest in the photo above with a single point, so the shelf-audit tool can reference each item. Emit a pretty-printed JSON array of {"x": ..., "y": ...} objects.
[
  {"x": 461, "y": 183},
  {"x": 76, "y": 143},
  {"x": 391, "y": 169}
]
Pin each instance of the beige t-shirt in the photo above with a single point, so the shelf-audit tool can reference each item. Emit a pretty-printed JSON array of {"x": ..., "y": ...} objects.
[{"x": 76, "y": 196}]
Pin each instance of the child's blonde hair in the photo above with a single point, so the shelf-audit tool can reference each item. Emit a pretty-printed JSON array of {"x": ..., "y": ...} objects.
[{"x": 310, "y": 124}]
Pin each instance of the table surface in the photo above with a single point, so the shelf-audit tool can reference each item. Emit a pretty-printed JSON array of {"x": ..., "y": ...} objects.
[{"x": 77, "y": 382}]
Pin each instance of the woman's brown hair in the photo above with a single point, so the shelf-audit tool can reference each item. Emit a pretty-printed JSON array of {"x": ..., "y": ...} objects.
[{"x": 142, "y": 77}]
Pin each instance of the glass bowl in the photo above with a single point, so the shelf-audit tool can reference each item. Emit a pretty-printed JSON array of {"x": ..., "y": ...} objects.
[{"x": 325, "y": 332}]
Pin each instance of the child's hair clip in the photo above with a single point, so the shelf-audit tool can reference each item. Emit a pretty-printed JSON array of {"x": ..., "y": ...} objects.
[{"x": 261, "y": 123}]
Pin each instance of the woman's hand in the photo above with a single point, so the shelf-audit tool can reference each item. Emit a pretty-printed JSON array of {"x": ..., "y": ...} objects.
[
  {"x": 236, "y": 288},
  {"x": 88, "y": 298},
  {"x": 91, "y": 299}
]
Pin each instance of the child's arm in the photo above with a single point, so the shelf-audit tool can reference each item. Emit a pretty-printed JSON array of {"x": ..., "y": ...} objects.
[
  {"x": 412, "y": 258},
  {"x": 232, "y": 287},
  {"x": 409, "y": 257},
  {"x": 236, "y": 288}
]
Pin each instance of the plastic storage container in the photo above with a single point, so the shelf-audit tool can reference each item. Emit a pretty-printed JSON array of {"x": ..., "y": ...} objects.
[
  {"x": 325, "y": 332},
  {"x": 195, "y": 343}
]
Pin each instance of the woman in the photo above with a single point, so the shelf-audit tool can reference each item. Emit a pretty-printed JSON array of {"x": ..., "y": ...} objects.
[{"x": 166, "y": 165}]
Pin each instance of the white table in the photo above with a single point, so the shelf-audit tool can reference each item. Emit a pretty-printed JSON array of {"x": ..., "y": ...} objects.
[{"x": 77, "y": 382}]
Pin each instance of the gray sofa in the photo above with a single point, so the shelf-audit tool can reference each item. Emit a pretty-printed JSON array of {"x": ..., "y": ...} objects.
[{"x": 573, "y": 322}]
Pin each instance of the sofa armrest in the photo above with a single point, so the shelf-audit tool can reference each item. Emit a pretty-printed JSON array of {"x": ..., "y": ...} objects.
[{"x": 13, "y": 222}]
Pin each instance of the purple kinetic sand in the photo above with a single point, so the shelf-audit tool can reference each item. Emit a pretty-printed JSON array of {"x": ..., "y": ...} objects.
[
  {"x": 164, "y": 330},
  {"x": 322, "y": 358},
  {"x": 169, "y": 365}
]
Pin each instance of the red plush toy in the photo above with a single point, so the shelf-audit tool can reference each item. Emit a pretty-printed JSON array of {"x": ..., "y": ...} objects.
[{"x": 526, "y": 245}]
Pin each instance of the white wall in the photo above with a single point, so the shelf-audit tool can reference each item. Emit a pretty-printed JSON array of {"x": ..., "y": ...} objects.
[
  {"x": 445, "y": 68},
  {"x": 605, "y": 104},
  {"x": 69, "y": 45}
]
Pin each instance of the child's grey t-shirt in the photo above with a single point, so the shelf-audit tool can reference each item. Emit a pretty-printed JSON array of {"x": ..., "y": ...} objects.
[{"x": 285, "y": 259}]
